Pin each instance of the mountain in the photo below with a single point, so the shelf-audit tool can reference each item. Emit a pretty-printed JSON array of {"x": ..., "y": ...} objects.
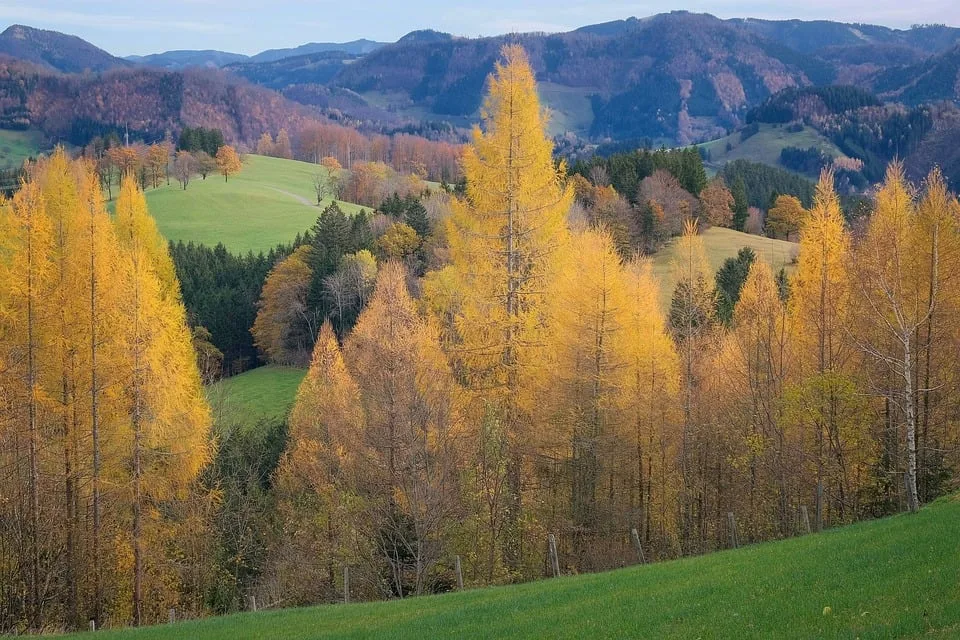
[
  {"x": 355, "y": 47},
  {"x": 814, "y": 35},
  {"x": 311, "y": 68},
  {"x": 56, "y": 50},
  {"x": 674, "y": 77},
  {"x": 931, "y": 80},
  {"x": 188, "y": 58},
  {"x": 146, "y": 101}
]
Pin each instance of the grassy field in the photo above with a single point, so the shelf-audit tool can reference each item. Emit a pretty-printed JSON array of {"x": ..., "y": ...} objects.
[
  {"x": 265, "y": 392},
  {"x": 891, "y": 578},
  {"x": 765, "y": 146},
  {"x": 270, "y": 201},
  {"x": 721, "y": 244},
  {"x": 17, "y": 146}
]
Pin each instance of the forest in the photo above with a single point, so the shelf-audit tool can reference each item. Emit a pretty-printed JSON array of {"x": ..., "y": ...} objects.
[{"x": 489, "y": 363}]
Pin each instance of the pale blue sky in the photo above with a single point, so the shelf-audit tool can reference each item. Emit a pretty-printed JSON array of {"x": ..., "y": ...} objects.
[{"x": 249, "y": 26}]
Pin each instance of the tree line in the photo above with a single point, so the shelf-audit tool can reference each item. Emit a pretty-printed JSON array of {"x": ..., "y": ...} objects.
[{"x": 104, "y": 427}]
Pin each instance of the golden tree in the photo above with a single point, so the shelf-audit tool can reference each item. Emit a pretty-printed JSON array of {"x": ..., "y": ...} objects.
[
  {"x": 819, "y": 304},
  {"x": 228, "y": 161},
  {"x": 325, "y": 456},
  {"x": 504, "y": 238},
  {"x": 412, "y": 427}
]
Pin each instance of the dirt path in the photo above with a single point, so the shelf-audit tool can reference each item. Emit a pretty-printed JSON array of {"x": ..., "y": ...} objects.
[{"x": 299, "y": 199}]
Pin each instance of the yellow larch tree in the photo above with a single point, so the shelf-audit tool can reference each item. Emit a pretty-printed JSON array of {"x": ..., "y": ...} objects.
[
  {"x": 903, "y": 269},
  {"x": 412, "y": 427},
  {"x": 824, "y": 393},
  {"x": 587, "y": 374},
  {"x": 693, "y": 325},
  {"x": 650, "y": 415},
  {"x": 757, "y": 364},
  {"x": 325, "y": 456},
  {"x": 169, "y": 424},
  {"x": 503, "y": 240}
]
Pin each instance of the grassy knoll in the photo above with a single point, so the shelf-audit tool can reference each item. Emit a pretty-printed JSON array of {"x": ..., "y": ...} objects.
[
  {"x": 891, "y": 578},
  {"x": 265, "y": 392},
  {"x": 721, "y": 244},
  {"x": 270, "y": 201},
  {"x": 765, "y": 146},
  {"x": 17, "y": 146}
]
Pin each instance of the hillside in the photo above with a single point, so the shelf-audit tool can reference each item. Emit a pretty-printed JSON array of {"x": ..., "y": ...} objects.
[
  {"x": 188, "y": 58},
  {"x": 268, "y": 203},
  {"x": 721, "y": 244},
  {"x": 934, "y": 79},
  {"x": 56, "y": 50},
  {"x": 764, "y": 146},
  {"x": 17, "y": 146},
  {"x": 150, "y": 102},
  {"x": 265, "y": 392},
  {"x": 675, "y": 76},
  {"x": 890, "y": 578},
  {"x": 354, "y": 47}
]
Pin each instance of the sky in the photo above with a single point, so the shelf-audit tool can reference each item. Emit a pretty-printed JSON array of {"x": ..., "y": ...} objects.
[{"x": 248, "y": 26}]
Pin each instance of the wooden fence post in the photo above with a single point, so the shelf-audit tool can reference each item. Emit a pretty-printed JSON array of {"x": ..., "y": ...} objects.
[
  {"x": 459, "y": 570},
  {"x": 93, "y": 624},
  {"x": 819, "y": 506},
  {"x": 732, "y": 526},
  {"x": 252, "y": 603},
  {"x": 805, "y": 518},
  {"x": 173, "y": 616},
  {"x": 636, "y": 544},
  {"x": 346, "y": 585},
  {"x": 554, "y": 560}
]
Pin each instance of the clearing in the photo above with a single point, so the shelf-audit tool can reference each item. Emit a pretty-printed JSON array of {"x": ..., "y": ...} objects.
[
  {"x": 269, "y": 202},
  {"x": 765, "y": 146},
  {"x": 264, "y": 392}
]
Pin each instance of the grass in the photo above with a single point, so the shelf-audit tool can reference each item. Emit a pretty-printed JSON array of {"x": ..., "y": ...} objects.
[
  {"x": 570, "y": 108},
  {"x": 721, "y": 244},
  {"x": 766, "y": 145},
  {"x": 269, "y": 202},
  {"x": 891, "y": 578},
  {"x": 265, "y": 392},
  {"x": 17, "y": 146}
]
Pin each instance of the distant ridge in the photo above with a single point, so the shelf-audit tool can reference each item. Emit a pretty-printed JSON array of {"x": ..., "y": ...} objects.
[{"x": 56, "y": 50}]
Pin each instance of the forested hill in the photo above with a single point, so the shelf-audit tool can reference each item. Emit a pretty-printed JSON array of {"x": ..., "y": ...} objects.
[
  {"x": 676, "y": 77},
  {"x": 55, "y": 50},
  {"x": 673, "y": 78}
]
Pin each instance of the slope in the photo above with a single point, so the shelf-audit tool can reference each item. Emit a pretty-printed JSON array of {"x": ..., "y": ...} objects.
[
  {"x": 721, "y": 244},
  {"x": 890, "y": 578},
  {"x": 269, "y": 202},
  {"x": 265, "y": 392},
  {"x": 56, "y": 50}
]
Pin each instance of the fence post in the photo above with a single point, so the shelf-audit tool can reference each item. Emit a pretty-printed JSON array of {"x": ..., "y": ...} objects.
[
  {"x": 173, "y": 616},
  {"x": 732, "y": 526},
  {"x": 819, "y": 506},
  {"x": 93, "y": 624},
  {"x": 346, "y": 585},
  {"x": 636, "y": 544},
  {"x": 554, "y": 560},
  {"x": 252, "y": 603},
  {"x": 459, "y": 570},
  {"x": 805, "y": 518}
]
